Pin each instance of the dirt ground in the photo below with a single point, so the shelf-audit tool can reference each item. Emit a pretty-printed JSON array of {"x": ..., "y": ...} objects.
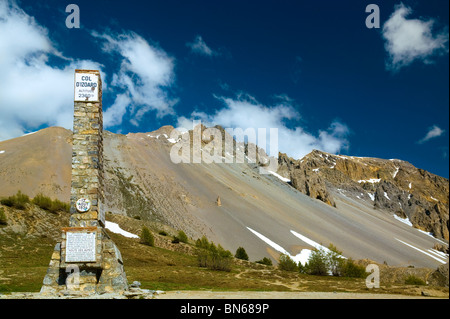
[{"x": 281, "y": 295}]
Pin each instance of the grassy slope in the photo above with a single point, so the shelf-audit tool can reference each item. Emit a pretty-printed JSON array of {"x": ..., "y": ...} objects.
[{"x": 24, "y": 260}]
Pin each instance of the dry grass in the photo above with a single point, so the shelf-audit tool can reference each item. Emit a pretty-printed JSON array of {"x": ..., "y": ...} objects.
[{"x": 24, "y": 261}]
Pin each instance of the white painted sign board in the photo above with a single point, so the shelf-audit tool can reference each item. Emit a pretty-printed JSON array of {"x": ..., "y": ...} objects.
[
  {"x": 86, "y": 87},
  {"x": 80, "y": 246}
]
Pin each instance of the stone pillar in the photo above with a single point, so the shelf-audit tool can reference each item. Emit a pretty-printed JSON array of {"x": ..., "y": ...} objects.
[
  {"x": 87, "y": 152},
  {"x": 86, "y": 260}
]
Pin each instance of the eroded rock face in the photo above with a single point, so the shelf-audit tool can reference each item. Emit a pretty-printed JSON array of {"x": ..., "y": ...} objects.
[
  {"x": 311, "y": 184},
  {"x": 304, "y": 177},
  {"x": 392, "y": 185}
]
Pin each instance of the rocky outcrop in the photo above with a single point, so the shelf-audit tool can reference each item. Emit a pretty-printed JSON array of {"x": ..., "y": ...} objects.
[
  {"x": 392, "y": 185},
  {"x": 309, "y": 183},
  {"x": 304, "y": 178},
  {"x": 440, "y": 277}
]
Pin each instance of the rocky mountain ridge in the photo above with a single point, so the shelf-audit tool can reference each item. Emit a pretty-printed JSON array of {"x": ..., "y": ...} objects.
[
  {"x": 392, "y": 185},
  {"x": 261, "y": 211}
]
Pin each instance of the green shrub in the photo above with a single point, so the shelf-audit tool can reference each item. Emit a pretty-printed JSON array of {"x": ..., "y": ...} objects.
[
  {"x": 413, "y": 280},
  {"x": 18, "y": 201},
  {"x": 350, "y": 269},
  {"x": 202, "y": 243},
  {"x": 303, "y": 269},
  {"x": 57, "y": 205},
  {"x": 50, "y": 205},
  {"x": 265, "y": 261},
  {"x": 219, "y": 258},
  {"x": 3, "y": 220},
  {"x": 162, "y": 233},
  {"x": 317, "y": 263},
  {"x": 147, "y": 237},
  {"x": 211, "y": 256},
  {"x": 241, "y": 254},
  {"x": 321, "y": 262},
  {"x": 334, "y": 260},
  {"x": 175, "y": 240},
  {"x": 286, "y": 263},
  {"x": 182, "y": 237},
  {"x": 8, "y": 201},
  {"x": 42, "y": 201}
]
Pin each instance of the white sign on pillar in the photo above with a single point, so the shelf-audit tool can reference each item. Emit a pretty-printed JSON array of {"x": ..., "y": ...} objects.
[
  {"x": 80, "y": 247},
  {"x": 86, "y": 87}
]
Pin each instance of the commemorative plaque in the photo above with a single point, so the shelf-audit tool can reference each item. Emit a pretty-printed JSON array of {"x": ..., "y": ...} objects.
[
  {"x": 80, "y": 247},
  {"x": 83, "y": 205}
]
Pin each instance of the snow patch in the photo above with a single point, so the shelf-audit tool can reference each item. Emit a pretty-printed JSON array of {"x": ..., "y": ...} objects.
[
  {"x": 269, "y": 242},
  {"x": 437, "y": 200},
  {"x": 422, "y": 251},
  {"x": 372, "y": 180},
  {"x": 29, "y": 133},
  {"x": 431, "y": 235},
  {"x": 279, "y": 176},
  {"x": 316, "y": 170},
  {"x": 403, "y": 220},
  {"x": 115, "y": 228},
  {"x": 172, "y": 140},
  {"x": 1, "y": 152},
  {"x": 372, "y": 196},
  {"x": 410, "y": 185},
  {"x": 386, "y": 195},
  {"x": 396, "y": 171},
  {"x": 438, "y": 253},
  {"x": 304, "y": 254}
]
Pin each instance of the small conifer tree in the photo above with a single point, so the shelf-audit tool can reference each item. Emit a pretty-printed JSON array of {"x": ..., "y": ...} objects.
[
  {"x": 147, "y": 237},
  {"x": 241, "y": 254}
]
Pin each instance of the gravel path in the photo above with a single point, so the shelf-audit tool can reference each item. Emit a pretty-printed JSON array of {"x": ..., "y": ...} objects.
[{"x": 278, "y": 295}]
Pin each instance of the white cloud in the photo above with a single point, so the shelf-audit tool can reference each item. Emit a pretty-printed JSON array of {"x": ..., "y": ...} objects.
[
  {"x": 145, "y": 74},
  {"x": 411, "y": 39},
  {"x": 35, "y": 93},
  {"x": 245, "y": 111},
  {"x": 32, "y": 93},
  {"x": 433, "y": 132},
  {"x": 199, "y": 46}
]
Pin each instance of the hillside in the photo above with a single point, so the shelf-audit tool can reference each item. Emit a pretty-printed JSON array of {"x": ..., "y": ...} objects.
[
  {"x": 261, "y": 212},
  {"x": 27, "y": 241}
]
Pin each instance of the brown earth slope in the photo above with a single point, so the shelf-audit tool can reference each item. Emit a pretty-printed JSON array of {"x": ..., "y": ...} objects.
[{"x": 260, "y": 212}]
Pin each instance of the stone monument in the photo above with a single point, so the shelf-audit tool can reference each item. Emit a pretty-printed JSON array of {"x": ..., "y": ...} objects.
[{"x": 86, "y": 260}]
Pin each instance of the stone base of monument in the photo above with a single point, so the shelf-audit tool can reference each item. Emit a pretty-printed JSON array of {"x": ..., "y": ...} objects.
[{"x": 85, "y": 261}]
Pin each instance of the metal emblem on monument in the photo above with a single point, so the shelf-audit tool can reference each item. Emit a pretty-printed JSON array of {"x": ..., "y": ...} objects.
[{"x": 83, "y": 205}]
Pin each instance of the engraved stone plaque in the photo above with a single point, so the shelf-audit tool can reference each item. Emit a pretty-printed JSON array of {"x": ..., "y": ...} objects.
[{"x": 80, "y": 246}]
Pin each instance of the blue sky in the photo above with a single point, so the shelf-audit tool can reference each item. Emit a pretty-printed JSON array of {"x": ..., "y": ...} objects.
[{"x": 310, "y": 68}]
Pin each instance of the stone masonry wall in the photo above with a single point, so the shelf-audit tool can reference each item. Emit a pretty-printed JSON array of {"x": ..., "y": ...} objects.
[{"x": 87, "y": 161}]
